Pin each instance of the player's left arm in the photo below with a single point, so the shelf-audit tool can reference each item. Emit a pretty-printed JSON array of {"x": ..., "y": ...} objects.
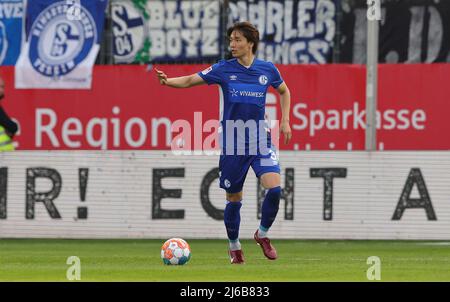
[{"x": 285, "y": 101}]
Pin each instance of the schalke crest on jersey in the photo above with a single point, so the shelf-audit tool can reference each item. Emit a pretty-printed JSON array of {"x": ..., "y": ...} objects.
[{"x": 60, "y": 40}]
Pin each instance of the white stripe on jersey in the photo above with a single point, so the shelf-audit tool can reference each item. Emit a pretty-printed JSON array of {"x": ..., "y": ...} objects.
[{"x": 221, "y": 100}]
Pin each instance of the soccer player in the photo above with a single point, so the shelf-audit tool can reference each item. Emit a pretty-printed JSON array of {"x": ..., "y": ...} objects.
[{"x": 244, "y": 81}]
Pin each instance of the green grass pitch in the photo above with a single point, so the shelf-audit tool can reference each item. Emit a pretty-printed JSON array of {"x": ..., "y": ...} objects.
[{"x": 299, "y": 260}]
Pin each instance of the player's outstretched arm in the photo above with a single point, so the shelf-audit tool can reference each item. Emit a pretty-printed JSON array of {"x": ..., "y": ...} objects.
[
  {"x": 285, "y": 101},
  {"x": 179, "y": 82}
]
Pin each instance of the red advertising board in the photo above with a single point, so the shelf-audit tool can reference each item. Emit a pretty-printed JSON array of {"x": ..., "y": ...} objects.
[{"x": 128, "y": 109}]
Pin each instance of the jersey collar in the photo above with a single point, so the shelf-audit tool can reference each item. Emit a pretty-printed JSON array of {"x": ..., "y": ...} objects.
[{"x": 243, "y": 67}]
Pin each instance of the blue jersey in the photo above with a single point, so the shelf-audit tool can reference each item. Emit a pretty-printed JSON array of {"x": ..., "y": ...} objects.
[{"x": 243, "y": 99}]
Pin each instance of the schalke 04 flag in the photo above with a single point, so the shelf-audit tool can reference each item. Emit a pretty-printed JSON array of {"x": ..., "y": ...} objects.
[
  {"x": 62, "y": 43},
  {"x": 11, "y": 12},
  {"x": 131, "y": 42}
]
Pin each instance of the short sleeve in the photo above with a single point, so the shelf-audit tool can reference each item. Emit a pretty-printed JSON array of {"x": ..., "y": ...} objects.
[
  {"x": 213, "y": 74},
  {"x": 276, "y": 77}
]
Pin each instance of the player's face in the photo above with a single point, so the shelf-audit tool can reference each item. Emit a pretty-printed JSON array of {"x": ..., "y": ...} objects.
[{"x": 239, "y": 45}]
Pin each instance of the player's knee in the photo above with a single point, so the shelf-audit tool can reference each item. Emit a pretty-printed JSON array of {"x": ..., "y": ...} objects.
[
  {"x": 270, "y": 180},
  {"x": 234, "y": 196}
]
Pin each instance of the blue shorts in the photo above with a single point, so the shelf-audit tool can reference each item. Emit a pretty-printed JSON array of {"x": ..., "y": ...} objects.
[{"x": 233, "y": 169}]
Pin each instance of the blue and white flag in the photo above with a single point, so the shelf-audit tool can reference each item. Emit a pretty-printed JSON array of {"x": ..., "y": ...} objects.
[
  {"x": 11, "y": 13},
  {"x": 61, "y": 45},
  {"x": 291, "y": 32}
]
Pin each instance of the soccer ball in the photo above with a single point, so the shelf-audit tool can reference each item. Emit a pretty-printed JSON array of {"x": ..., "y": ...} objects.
[{"x": 175, "y": 251}]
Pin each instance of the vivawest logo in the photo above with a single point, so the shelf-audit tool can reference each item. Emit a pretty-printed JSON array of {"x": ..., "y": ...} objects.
[
  {"x": 128, "y": 29},
  {"x": 256, "y": 94},
  {"x": 58, "y": 43}
]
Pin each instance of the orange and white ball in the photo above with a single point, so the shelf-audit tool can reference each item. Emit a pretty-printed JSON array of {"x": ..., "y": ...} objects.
[{"x": 175, "y": 251}]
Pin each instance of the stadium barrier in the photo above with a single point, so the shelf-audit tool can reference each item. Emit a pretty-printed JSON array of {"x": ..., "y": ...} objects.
[
  {"x": 155, "y": 194},
  {"x": 127, "y": 109}
]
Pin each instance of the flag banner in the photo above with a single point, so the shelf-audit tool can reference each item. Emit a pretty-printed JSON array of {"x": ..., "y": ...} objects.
[
  {"x": 11, "y": 12},
  {"x": 327, "y": 110},
  {"x": 61, "y": 45},
  {"x": 131, "y": 42},
  {"x": 411, "y": 31},
  {"x": 183, "y": 31},
  {"x": 291, "y": 32}
]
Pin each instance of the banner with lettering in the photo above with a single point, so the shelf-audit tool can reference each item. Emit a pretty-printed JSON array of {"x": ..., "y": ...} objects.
[
  {"x": 128, "y": 109},
  {"x": 182, "y": 31},
  {"x": 411, "y": 31},
  {"x": 291, "y": 32}
]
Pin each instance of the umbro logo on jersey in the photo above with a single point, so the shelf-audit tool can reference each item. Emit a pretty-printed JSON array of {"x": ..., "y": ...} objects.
[{"x": 233, "y": 77}]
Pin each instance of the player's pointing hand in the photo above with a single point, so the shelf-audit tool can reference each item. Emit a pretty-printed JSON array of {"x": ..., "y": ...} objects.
[{"x": 162, "y": 77}]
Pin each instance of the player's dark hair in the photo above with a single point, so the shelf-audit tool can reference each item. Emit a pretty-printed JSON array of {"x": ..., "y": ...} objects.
[{"x": 249, "y": 31}]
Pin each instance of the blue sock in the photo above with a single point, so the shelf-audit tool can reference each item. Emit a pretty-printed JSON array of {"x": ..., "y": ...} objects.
[
  {"x": 270, "y": 208},
  {"x": 232, "y": 219}
]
